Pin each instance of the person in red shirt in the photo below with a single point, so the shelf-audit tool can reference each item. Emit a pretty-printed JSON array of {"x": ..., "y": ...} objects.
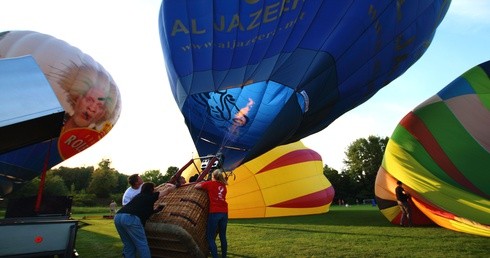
[{"x": 218, "y": 211}]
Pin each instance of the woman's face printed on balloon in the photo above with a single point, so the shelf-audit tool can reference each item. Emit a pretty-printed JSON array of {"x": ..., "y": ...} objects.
[
  {"x": 89, "y": 108},
  {"x": 91, "y": 97}
]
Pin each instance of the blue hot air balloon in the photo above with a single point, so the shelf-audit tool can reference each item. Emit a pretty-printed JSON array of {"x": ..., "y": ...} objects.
[{"x": 249, "y": 75}]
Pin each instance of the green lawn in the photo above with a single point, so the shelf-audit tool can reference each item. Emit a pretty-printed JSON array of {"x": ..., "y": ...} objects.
[{"x": 356, "y": 231}]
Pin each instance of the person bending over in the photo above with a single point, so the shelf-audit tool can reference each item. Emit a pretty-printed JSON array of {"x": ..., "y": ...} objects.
[{"x": 130, "y": 220}]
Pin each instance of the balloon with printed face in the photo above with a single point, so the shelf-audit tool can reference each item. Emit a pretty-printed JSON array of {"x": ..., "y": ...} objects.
[
  {"x": 252, "y": 75},
  {"x": 441, "y": 153},
  {"x": 84, "y": 89}
]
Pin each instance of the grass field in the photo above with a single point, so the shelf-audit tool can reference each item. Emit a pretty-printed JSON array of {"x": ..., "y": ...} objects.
[{"x": 355, "y": 231}]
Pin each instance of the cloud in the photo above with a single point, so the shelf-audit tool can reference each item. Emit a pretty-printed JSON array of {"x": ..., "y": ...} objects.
[{"x": 474, "y": 11}]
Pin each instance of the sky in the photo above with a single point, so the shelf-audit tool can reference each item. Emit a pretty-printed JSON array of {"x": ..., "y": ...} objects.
[{"x": 122, "y": 35}]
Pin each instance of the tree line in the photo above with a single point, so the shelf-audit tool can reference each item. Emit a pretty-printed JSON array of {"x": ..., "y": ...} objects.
[
  {"x": 354, "y": 183},
  {"x": 89, "y": 186}
]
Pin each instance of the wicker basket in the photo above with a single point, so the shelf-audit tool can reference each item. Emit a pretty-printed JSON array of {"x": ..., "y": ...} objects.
[{"x": 179, "y": 230}]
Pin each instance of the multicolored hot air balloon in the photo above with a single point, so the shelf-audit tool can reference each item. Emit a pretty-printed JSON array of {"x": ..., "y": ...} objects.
[
  {"x": 85, "y": 90},
  {"x": 252, "y": 75},
  {"x": 286, "y": 181},
  {"x": 441, "y": 153}
]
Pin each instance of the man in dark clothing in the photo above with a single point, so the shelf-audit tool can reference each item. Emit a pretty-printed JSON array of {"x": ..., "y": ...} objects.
[
  {"x": 130, "y": 220},
  {"x": 402, "y": 198}
]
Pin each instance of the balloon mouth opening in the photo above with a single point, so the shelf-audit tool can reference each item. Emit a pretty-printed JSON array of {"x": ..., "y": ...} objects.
[
  {"x": 223, "y": 146},
  {"x": 239, "y": 121},
  {"x": 233, "y": 148}
]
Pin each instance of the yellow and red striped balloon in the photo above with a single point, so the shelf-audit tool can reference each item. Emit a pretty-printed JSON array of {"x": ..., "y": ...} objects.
[{"x": 286, "y": 181}]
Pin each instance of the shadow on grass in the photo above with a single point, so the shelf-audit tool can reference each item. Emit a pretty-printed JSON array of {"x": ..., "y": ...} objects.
[
  {"x": 333, "y": 217},
  {"x": 288, "y": 230},
  {"x": 93, "y": 244},
  {"x": 337, "y": 216},
  {"x": 239, "y": 255}
]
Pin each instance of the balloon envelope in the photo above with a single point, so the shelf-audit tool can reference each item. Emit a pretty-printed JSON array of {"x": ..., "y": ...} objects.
[
  {"x": 441, "y": 153},
  {"x": 85, "y": 90},
  {"x": 251, "y": 75},
  {"x": 286, "y": 181}
]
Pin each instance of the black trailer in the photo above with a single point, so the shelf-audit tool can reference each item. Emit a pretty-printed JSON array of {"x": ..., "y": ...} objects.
[
  {"x": 48, "y": 232},
  {"x": 38, "y": 237}
]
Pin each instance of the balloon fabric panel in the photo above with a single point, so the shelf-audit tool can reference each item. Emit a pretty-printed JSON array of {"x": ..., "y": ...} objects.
[
  {"x": 330, "y": 56},
  {"x": 463, "y": 87},
  {"x": 451, "y": 155},
  {"x": 449, "y": 221},
  {"x": 406, "y": 136},
  {"x": 475, "y": 124}
]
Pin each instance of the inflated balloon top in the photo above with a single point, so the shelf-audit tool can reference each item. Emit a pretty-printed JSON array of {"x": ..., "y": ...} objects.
[
  {"x": 441, "y": 153},
  {"x": 85, "y": 90},
  {"x": 251, "y": 75}
]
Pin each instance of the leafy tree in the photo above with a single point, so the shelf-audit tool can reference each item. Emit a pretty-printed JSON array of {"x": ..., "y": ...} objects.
[
  {"x": 331, "y": 174},
  {"x": 78, "y": 177},
  {"x": 54, "y": 185},
  {"x": 333, "y": 177},
  {"x": 364, "y": 157},
  {"x": 153, "y": 176},
  {"x": 341, "y": 183},
  {"x": 122, "y": 183},
  {"x": 72, "y": 189},
  {"x": 170, "y": 172},
  {"x": 104, "y": 180},
  {"x": 84, "y": 199}
]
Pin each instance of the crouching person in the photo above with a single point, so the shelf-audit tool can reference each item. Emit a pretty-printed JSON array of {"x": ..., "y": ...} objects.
[{"x": 130, "y": 220}]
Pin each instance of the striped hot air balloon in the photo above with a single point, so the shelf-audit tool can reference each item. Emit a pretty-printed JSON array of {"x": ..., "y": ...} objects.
[
  {"x": 286, "y": 181},
  {"x": 441, "y": 153}
]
